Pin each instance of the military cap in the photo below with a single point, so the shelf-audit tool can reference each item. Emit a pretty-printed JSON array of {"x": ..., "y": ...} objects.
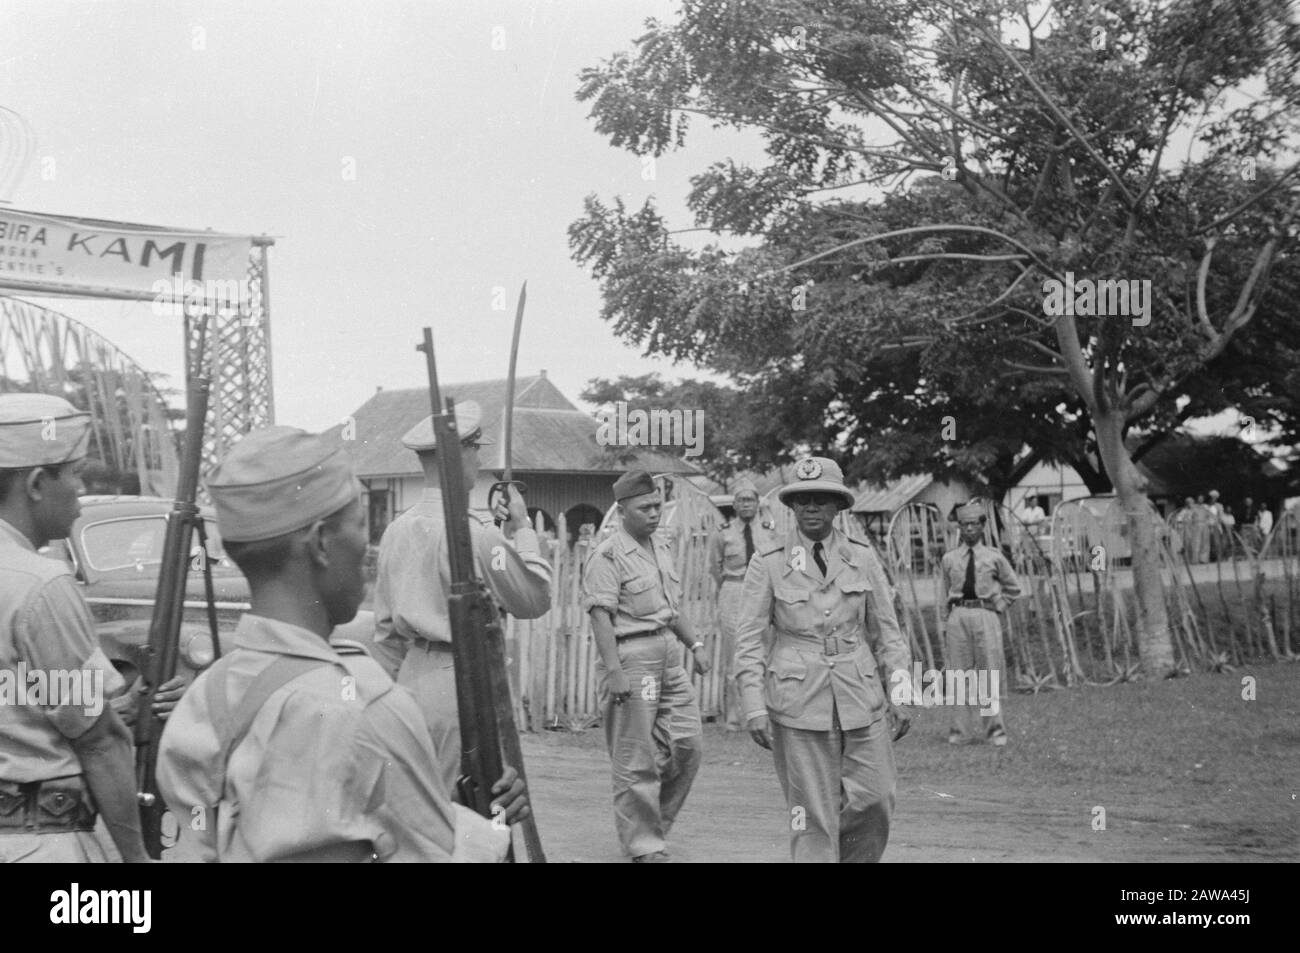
[
  {"x": 817, "y": 475},
  {"x": 469, "y": 417},
  {"x": 633, "y": 483},
  {"x": 278, "y": 480},
  {"x": 40, "y": 430},
  {"x": 743, "y": 486},
  {"x": 973, "y": 510}
]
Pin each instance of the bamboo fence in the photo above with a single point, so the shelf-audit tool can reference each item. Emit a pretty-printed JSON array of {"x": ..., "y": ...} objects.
[{"x": 1074, "y": 624}]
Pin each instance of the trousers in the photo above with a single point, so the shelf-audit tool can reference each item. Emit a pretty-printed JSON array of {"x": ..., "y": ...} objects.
[
  {"x": 839, "y": 787},
  {"x": 655, "y": 741},
  {"x": 62, "y": 847},
  {"x": 728, "y": 617},
  {"x": 430, "y": 675},
  {"x": 973, "y": 641}
]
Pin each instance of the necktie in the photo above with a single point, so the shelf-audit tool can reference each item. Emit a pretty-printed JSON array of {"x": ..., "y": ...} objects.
[
  {"x": 968, "y": 589},
  {"x": 749, "y": 542},
  {"x": 818, "y": 558}
]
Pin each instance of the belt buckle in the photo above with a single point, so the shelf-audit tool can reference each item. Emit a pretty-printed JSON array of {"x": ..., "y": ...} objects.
[{"x": 827, "y": 642}]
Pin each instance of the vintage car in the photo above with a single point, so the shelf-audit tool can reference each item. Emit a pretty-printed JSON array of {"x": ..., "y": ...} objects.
[{"x": 115, "y": 550}]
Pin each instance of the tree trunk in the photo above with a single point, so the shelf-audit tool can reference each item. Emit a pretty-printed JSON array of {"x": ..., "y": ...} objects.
[{"x": 1155, "y": 646}]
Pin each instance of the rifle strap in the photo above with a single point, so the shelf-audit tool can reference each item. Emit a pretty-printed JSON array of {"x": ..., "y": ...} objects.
[{"x": 231, "y": 730}]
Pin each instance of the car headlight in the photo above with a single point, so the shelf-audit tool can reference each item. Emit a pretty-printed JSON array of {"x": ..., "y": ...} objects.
[{"x": 197, "y": 651}]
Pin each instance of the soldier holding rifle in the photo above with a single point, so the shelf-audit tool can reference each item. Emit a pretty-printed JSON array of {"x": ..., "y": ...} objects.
[
  {"x": 62, "y": 760},
  {"x": 290, "y": 747},
  {"x": 413, "y": 632}
]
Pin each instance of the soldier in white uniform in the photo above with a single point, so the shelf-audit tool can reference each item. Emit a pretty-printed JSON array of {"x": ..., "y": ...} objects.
[
  {"x": 818, "y": 697},
  {"x": 412, "y": 626},
  {"x": 62, "y": 759}
]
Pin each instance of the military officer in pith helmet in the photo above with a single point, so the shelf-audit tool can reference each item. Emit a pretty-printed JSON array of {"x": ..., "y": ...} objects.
[
  {"x": 818, "y": 697},
  {"x": 976, "y": 584},
  {"x": 62, "y": 759}
]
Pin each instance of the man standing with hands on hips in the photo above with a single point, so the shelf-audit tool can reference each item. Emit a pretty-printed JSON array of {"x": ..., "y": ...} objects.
[
  {"x": 652, "y": 722},
  {"x": 815, "y": 697}
]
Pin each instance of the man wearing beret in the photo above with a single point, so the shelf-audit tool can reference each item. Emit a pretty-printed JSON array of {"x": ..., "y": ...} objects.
[
  {"x": 290, "y": 748},
  {"x": 731, "y": 548},
  {"x": 62, "y": 759},
  {"x": 652, "y": 722},
  {"x": 412, "y": 625},
  {"x": 814, "y": 697},
  {"x": 976, "y": 583}
]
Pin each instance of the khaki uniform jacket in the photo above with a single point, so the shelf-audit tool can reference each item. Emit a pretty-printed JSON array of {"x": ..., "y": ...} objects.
[
  {"x": 994, "y": 577},
  {"x": 829, "y": 635},
  {"x": 46, "y": 633},
  {"x": 726, "y": 557},
  {"x": 337, "y": 764},
  {"x": 414, "y": 578}
]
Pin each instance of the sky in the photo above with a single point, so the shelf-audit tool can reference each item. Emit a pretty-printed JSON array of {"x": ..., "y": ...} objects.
[
  {"x": 468, "y": 164},
  {"x": 415, "y": 161}
]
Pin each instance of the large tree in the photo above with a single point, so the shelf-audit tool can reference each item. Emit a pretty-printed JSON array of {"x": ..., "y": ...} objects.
[{"x": 931, "y": 167}]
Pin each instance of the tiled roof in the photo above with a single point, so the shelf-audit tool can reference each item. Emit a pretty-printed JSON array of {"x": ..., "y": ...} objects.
[
  {"x": 894, "y": 495},
  {"x": 551, "y": 434}
]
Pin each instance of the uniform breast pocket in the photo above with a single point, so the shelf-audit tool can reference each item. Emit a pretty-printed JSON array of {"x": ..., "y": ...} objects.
[
  {"x": 786, "y": 681},
  {"x": 855, "y": 594},
  {"x": 792, "y": 610},
  {"x": 640, "y": 596}
]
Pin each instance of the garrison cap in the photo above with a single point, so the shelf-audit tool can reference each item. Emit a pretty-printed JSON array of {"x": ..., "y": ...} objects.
[
  {"x": 817, "y": 475},
  {"x": 633, "y": 483},
  {"x": 469, "y": 417},
  {"x": 973, "y": 510},
  {"x": 278, "y": 480},
  {"x": 744, "y": 486},
  {"x": 40, "y": 430}
]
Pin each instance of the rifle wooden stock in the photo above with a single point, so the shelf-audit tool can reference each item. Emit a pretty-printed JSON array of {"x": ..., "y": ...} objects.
[
  {"x": 169, "y": 609},
  {"x": 487, "y": 723}
]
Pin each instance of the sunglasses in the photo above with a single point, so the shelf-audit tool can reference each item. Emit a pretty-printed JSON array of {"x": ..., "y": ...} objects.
[{"x": 812, "y": 499}]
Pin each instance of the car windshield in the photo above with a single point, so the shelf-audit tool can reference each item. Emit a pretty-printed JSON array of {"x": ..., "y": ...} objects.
[{"x": 137, "y": 541}]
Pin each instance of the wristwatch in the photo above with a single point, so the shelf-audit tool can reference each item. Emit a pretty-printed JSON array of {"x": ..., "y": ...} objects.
[{"x": 697, "y": 645}]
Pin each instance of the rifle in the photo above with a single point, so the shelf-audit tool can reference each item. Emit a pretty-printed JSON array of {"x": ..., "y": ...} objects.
[
  {"x": 160, "y": 654},
  {"x": 487, "y": 721}
]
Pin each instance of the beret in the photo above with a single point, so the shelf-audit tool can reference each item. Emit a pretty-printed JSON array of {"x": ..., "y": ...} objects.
[{"x": 633, "y": 483}]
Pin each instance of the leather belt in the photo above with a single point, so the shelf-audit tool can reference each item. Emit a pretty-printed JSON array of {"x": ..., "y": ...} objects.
[
  {"x": 429, "y": 645},
  {"x": 727, "y": 579},
  {"x": 641, "y": 635},
  {"x": 45, "y": 807},
  {"x": 830, "y": 644},
  {"x": 973, "y": 604}
]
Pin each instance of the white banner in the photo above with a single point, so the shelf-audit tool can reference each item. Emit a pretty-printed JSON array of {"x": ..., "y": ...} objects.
[{"x": 62, "y": 255}]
